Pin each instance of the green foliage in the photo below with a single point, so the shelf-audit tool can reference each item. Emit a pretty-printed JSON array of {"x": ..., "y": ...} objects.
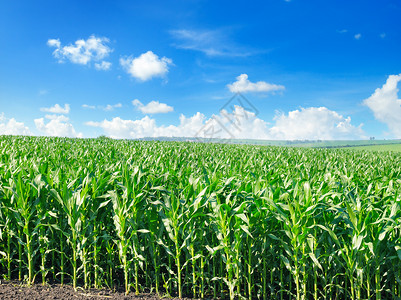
[{"x": 203, "y": 220}]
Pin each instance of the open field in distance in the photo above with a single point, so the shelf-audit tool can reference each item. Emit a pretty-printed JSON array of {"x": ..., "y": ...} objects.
[
  {"x": 388, "y": 147},
  {"x": 294, "y": 143}
]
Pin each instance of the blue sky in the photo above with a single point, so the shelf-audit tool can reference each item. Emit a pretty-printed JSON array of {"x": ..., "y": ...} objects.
[{"x": 129, "y": 69}]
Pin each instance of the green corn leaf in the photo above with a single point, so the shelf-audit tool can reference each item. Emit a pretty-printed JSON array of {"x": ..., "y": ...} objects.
[
  {"x": 315, "y": 261},
  {"x": 398, "y": 249}
]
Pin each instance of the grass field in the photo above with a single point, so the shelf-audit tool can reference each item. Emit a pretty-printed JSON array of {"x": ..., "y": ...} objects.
[{"x": 201, "y": 220}]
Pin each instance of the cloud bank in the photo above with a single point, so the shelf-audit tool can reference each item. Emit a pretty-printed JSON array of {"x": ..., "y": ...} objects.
[
  {"x": 12, "y": 127},
  {"x": 386, "y": 106},
  {"x": 312, "y": 123},
  {"x": 315, "y": 123},
  {"x": 58, "y": 125}
]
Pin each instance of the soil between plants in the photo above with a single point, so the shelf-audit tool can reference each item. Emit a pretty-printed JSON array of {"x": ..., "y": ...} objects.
[{"x": 15, "y": 290}]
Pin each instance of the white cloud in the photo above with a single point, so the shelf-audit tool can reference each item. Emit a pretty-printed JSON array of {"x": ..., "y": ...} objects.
[
  {"x": 54, "y": 43},
  {"x": 12, "y": 127},
  {"x": 104, "y": 65},
  {"x": 57, "y": 109},
  {"x": 386, "y": 106},
  {"x": 58, "y": 125},
  {"x": 60, "y": 118},
  {"x": 153, "y": 107},
  {"x": 357, "y": 36},
  {"x": 237, "y": 124},
  {"x": 243, "y": 85},
  {"x": 342, "y": 31},
  {"x": 210, "y": 42},
  {"x": 83, "y": 51},
  {"x": 88, "y": 106},
  {"x": 121, "y": 129},
  {"x": 314, "y": 123},
  {"x": 146, "y": 66},
  {"x": 311, "y": 123},
  {"x": 146, "y": 127},
  {"x": 108, "y": 107}
]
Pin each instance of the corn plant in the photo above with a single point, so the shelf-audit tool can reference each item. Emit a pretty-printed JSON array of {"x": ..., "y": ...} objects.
[{"x": 201, "y": 220}]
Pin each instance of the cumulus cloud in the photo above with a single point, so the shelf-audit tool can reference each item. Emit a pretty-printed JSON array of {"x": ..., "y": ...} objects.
[
  {"x": 386, "y": 106},
  {"x": 311, "y": 123},
  {"x": 236, "y": 124},
  {"x": 243, "y": 85},
  {"x": 357, "y": 36},
  {"x": 83, "y": 51},
  {"x": 12, "y": 127},
  {"x": 146, "y": 66},
  {"x": 60, "y": 118},
  {"x": 147, "y": 127},
  {"x": 121, "y": 129},
  {"x": 59, "y": 125},
  {"x": 314, "y": 123},
  {"x": 57, "y": 109},
  {"x": 153, "y": 107}
]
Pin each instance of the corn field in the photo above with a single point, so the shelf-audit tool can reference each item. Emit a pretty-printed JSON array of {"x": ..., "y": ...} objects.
[{"x": 201, "y": 220}]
